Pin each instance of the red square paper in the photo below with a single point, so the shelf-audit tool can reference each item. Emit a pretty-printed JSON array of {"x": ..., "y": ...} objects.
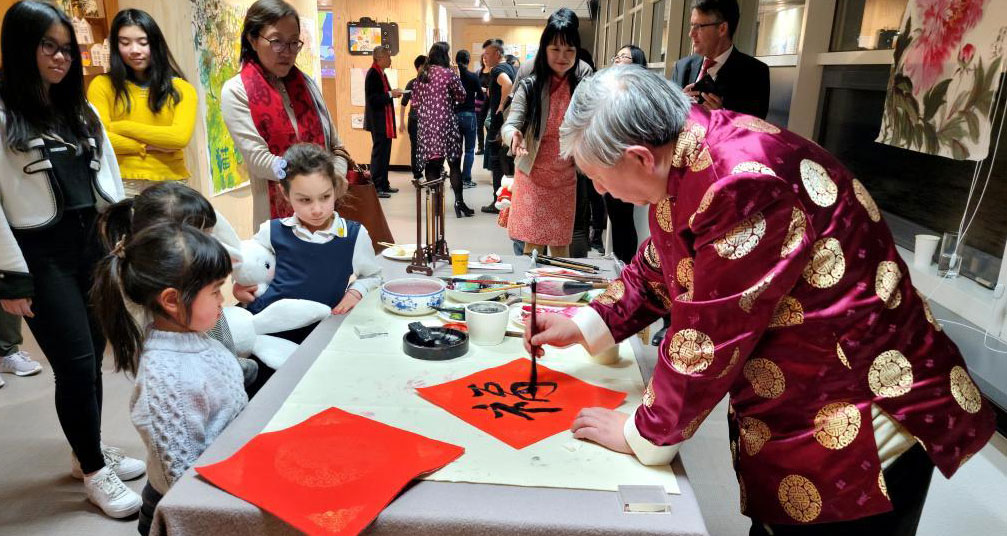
[
  {"x": 496, "y": 401},
  {"x": 331, "y": 474}
]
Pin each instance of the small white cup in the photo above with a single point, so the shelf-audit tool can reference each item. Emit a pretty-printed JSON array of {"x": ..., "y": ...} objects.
[
  {"x": 487, "y": 322},
  {"x": 926, "y": 246},
  {"x": 607, "y": 357}
]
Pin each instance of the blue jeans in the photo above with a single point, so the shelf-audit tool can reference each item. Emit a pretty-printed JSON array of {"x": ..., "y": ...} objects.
[{"x": 467, "y": 127}]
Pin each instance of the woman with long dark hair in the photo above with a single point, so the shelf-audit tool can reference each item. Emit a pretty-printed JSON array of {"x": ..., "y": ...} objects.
[
  {"x": 147, "y": 107},
  {"x": 545, "y": 186},
  {"x": 287, "y": 107},
  {"x": 630, "y": 55},
  {"x": 57, "y": 171},
  {"x": 435, "y": 94}
]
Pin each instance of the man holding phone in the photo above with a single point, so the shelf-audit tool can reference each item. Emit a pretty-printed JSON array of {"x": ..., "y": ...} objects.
[{"x": 718, "y": 75}]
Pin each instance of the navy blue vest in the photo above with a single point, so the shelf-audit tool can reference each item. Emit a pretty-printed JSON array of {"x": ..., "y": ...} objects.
[{"x": 308, "y": 271}]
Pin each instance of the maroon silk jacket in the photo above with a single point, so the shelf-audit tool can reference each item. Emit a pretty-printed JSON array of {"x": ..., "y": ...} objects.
[{"x": 786, "y": 291}]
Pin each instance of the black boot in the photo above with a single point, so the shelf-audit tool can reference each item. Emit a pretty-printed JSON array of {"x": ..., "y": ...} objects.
[
  {"x": 596, "y": 242},
  {"x": 462, "y": 209},
  {"x": 490, "y": 209}
]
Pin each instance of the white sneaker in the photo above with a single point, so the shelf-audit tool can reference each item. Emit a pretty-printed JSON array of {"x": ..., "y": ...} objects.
[
  {"x": 2, "y": 383},
  {"x": 107, "y": 492},
  {"x": 20, "y": 363},
  {"x": 125, "y": 468}
]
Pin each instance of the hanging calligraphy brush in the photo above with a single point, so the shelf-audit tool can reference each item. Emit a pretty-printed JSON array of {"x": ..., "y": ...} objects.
[{"x": 533, "y": 326}]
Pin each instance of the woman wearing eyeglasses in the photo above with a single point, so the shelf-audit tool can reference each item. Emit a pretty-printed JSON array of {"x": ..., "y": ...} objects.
[
  {"x": 285, "y": 107},
  {"x": 57, "y": 171},
  {"x": 630, "y": 55},
  {"x": 145, "y": 104}
]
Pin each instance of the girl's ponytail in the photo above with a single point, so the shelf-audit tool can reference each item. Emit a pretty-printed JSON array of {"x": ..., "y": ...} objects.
[
  {"x": 110, "y": 305},
  {"x": 115, "y": 223}
]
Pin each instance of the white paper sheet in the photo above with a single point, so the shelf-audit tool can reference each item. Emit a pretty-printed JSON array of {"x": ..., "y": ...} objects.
[
  {"x": 375, "y": 379},
  {"x": 357, "y": 77}
]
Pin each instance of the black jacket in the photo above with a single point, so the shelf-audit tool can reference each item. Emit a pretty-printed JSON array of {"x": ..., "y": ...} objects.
[
  {"x": 377, "y": 101},
  {"x": 742, "y": 81}
]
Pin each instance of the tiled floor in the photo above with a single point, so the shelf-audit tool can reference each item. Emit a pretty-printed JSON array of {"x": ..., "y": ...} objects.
[{"x": 38, "y": 496}]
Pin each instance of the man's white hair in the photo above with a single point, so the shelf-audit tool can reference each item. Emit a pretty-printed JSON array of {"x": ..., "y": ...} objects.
[{"x": 619, "y": 107}]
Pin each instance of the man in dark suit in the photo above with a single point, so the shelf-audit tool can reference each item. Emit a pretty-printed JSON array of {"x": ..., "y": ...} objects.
[
  {"x": 379, "y": 119},
  {"x": 733, "y": 80}
]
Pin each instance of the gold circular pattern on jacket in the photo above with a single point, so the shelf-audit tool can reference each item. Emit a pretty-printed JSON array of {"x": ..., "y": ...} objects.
[
  {"x": 788, "y": 312},
  {"x": 743, "y": 496},
  {"x": 663, "y": 215},
  {"x": 754, "y": 434},
  {"x": 661, "y": 291},
  {"x": 882, "y": 486},
  {"x": 886, "y": 281},
  {"x": 837, "y": 425},
  {"x": 693, "y": 425},
  {"x": 756, "y": 125},
  {"x": 800, "y": 498},
  {"x": 685, "y": 296},
  {"x": 748, "y": 297},
  {"x": 765, "y": 376},
  {"x": 735, "y": 355},
  {"x": 928, "y": 313},
  {"x": 895, "y": 301},
  {"x": 795, "y": 232},
  {"x": 706, "y": 200},
  {"x": 648, "y": 394},
  {"x": 702, "y": 161},
  {"x": 753, "y": 167},
  {"x": 827, "y": 264},
  {"x": 651, "y": 256},
  {"x": 615, "y": 291},
  {"x": 842, "y": 356},
  {"x": 819, "y": 185},
  {"x": 734, "y": 450},
  {"x": 742, "y": 239},
  {"x": 964, "y": 390},
  {"x": 688, "y": 145},
  {"x": 690, "y": 351},
  {"x": 866, "y": 200},
  {"x": 684, "y": 272},
  {"x": 890, "y": 374}
]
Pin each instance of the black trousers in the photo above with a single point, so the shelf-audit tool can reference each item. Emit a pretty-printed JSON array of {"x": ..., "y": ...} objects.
[
  {"x": 624, "y": 236},
  {"x": 381, "y": 153},
  {"x": 61, "y": 260},
  {"x": 433, "y": 169},
  {"x": 599, "y": 216},
  {"x": 150, "y": 499},
  {"x": 497, "y": 153},
  {"x": 907, "y": 480},
  {"x": 413, "y": 127}
]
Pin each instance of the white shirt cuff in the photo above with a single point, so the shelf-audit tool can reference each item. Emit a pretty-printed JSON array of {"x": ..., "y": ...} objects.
[
  {"x": 597, "y": 336},
  {"x": 645, "y": 451}
]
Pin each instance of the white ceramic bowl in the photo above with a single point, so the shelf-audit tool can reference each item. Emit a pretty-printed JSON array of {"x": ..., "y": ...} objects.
[
  {"x": 412, "y": 296},
  {"x": 463, "y": 296},
  {"x": 569, "y": 298}
]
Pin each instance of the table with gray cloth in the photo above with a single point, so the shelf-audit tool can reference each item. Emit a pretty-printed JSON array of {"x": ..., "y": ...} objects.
[{"x": 193, "y": 506}]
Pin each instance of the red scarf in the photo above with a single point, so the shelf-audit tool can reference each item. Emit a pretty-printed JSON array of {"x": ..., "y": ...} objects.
[
  {"x": 389, "y": 109},
  {"x": 271, "y": 120}
]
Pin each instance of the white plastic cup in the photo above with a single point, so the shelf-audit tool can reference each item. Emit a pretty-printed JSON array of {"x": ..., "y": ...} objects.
[
  {"x": 926, "y": 246},
  {"x": 487, "y": 322}
]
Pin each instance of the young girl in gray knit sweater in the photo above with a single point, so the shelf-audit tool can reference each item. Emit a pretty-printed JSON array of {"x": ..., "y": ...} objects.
[{"x": 188, "y": 386}]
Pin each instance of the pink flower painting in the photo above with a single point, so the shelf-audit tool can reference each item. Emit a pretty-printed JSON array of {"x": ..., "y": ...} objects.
[{"x": 941, "y": 30}]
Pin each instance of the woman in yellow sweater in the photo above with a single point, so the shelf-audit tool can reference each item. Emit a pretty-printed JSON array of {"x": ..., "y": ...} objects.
[{"x": 148, "y": 108}]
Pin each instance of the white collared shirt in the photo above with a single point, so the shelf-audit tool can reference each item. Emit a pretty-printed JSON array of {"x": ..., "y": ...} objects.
[
  {"x": 712, "y": 71},
  {"x": 365, "y": 263}
]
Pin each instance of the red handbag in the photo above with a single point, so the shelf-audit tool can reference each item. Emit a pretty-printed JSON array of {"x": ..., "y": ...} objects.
[{"x": 355, "y": 173}]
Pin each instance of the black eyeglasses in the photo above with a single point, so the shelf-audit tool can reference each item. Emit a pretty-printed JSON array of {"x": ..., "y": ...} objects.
[
  {"x": 697, "y": 27},
  {"x": 50, "y": 48},
  {"x": 278, "y": 45}
]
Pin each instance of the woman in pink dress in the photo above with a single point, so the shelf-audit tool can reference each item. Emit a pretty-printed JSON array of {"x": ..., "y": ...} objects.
[{"x": 545, "y": 185}]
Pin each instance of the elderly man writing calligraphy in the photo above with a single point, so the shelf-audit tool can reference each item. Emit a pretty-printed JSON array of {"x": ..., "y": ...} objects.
[{"x": 786, "y": 291}]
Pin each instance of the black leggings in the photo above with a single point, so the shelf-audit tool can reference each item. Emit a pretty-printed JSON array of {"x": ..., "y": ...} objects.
[
  {"x": 907, "y": 480},
  {"x": 150, "y": 499},
  {"x": 623, "y": 228},
  {"x": 61, "y": 260},
  {"x": 433, "y": 169}
]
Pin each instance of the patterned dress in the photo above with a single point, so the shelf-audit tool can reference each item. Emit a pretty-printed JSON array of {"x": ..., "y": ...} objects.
[
  {"x": 786, "y": 291},
  {"x": 544, "y": 201},
  {"x": 435, "y": 100}
]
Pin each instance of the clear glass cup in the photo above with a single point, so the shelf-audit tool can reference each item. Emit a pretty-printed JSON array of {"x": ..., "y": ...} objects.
[{"x": 950, "y": 259}]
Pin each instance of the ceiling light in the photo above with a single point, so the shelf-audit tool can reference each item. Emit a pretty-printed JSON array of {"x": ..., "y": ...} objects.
[
  {"x": 486, "y": 16},
  {"x": 476, "y": 4}
]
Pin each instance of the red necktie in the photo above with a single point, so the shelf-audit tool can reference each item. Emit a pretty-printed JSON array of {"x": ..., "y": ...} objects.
[{"x": 708, "y": 64}]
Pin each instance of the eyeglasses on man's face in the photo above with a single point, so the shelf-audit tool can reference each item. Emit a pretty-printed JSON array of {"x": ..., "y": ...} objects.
[
  {"x": 279, "y": 45},
  {"x": 695, "y": 27},
  {"x": 50, "y": 48}
]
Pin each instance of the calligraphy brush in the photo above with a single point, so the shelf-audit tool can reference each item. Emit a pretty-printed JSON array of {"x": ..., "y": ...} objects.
[{"x": 533, "y": 326}]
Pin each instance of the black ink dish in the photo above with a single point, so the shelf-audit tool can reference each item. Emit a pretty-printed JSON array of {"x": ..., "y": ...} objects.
[{"x": 434, "y": 343}]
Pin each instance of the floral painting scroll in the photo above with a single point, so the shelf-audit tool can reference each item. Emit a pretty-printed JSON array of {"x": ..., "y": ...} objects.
[{"x": 948, "y": 61}]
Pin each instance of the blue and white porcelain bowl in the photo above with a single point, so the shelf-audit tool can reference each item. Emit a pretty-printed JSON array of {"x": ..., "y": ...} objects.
[{"x": 412, "y": 296}]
